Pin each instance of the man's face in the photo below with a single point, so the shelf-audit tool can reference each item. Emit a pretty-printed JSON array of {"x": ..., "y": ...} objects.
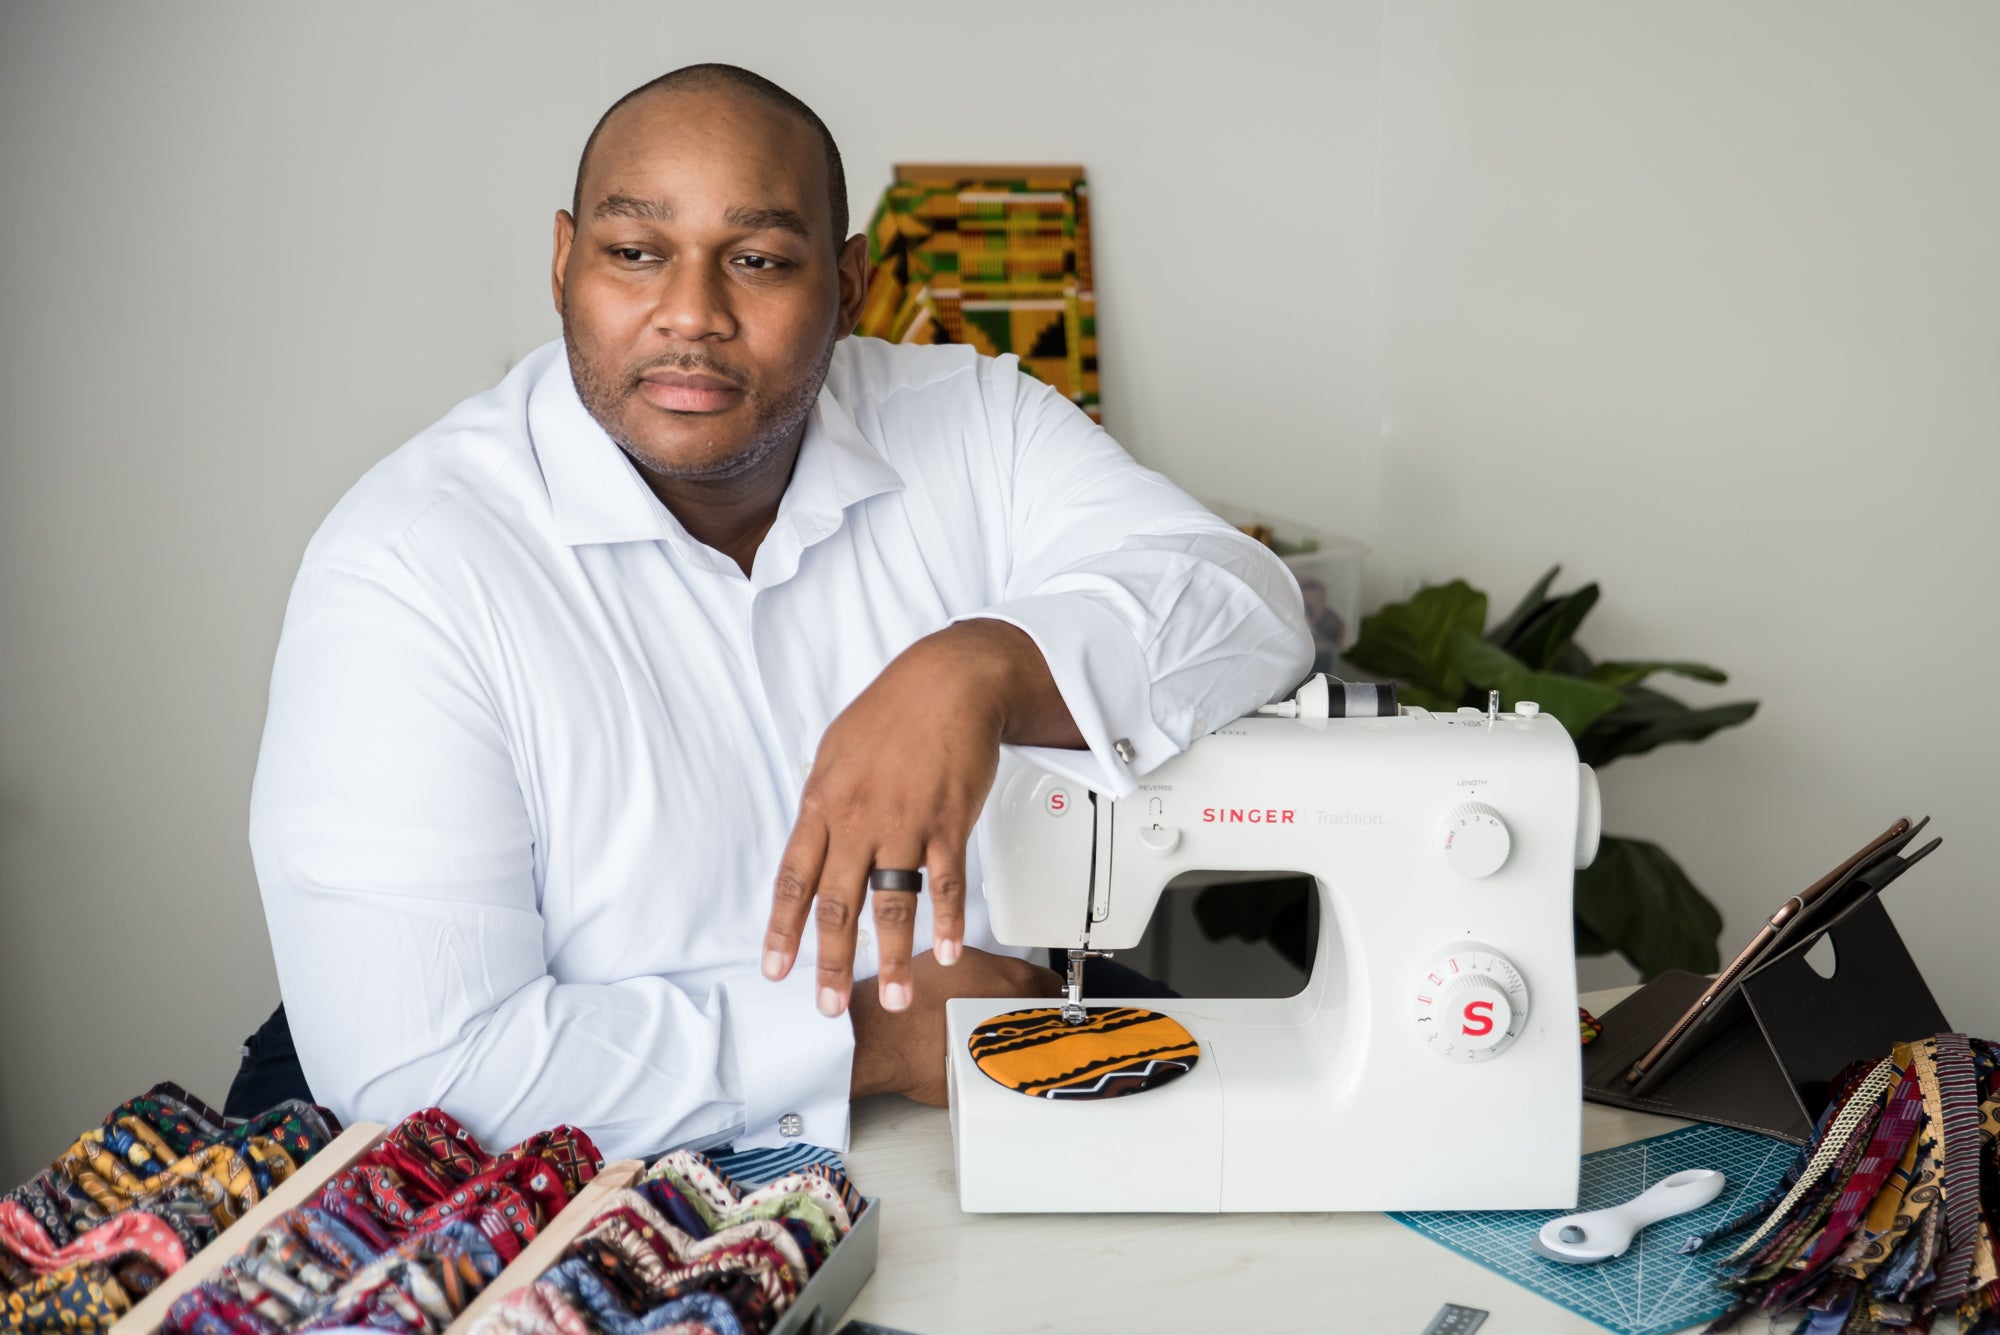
[{"x": 700, "y": 289}]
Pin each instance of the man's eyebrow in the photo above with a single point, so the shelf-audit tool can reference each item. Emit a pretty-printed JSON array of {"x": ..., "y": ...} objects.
[
  {"x": 767, "y": 219},
  {"x": 633, "y": 206}
]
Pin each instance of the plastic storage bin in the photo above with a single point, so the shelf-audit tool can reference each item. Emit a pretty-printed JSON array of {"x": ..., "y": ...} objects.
[{"x": 1328, "y": 569}]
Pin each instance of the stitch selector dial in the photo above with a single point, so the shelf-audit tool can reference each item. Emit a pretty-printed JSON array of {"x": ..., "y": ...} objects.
[
  {"x": 1474, "y": 839},
  {"x": 1472, "y": 1004}
]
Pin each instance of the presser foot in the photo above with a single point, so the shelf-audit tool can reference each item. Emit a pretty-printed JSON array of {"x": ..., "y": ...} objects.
[{"x": 1073, "y": 1011}]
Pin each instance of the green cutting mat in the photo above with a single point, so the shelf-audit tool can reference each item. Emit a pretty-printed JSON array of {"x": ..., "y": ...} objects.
[{"x": 1652, "y": 1289}]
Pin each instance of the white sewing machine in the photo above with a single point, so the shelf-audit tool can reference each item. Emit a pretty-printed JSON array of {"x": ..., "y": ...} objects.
[{"x": 1432, "y": 1061}]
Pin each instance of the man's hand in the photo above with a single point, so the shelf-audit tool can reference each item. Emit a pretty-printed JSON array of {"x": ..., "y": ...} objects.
[
  {"x": 903, "y": 1052},
  {"x": 899, "y": 779}
]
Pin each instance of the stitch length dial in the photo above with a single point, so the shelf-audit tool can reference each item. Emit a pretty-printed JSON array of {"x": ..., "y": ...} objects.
[{"x": 1470, "y": 1005}]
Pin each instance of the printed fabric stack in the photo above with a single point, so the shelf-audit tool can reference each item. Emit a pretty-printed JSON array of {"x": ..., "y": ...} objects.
[
  {"x": 401, "y": 1240},
  {"x": 133, "y": 1198},
  {"x": 997, "y": 257},
  {"x": 1886, "y": 1221},
  {"x": 686, "y": 1251}
]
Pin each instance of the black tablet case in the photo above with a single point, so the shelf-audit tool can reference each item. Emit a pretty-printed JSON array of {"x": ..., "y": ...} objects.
[{"x": 1763, "y": 1055}]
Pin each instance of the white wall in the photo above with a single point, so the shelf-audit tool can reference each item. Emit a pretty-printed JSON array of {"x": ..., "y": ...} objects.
[
  {"x": 1703, "y": 301},
  {"x": 1699, "y": 301}
]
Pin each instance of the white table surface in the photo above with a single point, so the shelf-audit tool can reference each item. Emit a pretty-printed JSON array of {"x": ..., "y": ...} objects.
[{"x": 944, "y": 1272}]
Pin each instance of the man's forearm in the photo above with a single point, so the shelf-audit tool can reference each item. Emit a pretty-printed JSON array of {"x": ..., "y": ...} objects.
[{"x": 1005, "y": 663}]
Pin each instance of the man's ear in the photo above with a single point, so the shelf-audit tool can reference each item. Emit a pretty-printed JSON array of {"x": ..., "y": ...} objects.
[
  {"x": 565, "y": 234},
  {"x": 853, "y": 282}
]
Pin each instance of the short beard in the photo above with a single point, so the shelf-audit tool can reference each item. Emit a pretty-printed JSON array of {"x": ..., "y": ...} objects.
[{"x": 778, "y": 419}]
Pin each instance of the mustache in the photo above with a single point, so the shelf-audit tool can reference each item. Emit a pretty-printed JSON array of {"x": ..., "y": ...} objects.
[{"x": 691, "y": 363}]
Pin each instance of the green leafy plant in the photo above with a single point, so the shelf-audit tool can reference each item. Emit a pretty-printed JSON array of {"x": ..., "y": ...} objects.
[{"x": 1634, "y": 898}]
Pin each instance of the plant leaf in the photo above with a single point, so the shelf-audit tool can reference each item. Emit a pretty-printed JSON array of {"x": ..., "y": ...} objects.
[
  {"x": 1540, "y": 643},
  {"x": 1638, "y": 900},
  {"x": 1531, "y": 602},
  {"x": 1481, "y": 663},
  {"x": 1576, "y": 703},
  {"x": 1630, "y": 672},
  {"x": 1411, "y": 641},
  {"x": 1647, "y": 719},
  {"x": 1573, "y": 662}
]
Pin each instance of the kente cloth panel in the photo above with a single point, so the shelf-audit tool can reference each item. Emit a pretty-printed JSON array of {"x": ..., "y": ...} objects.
[{"x": 996, "y": 257}]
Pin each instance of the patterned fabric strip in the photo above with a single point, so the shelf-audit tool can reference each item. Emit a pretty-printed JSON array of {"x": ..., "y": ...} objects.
[
  {"x": 1860, "y": 1102},
  {"x": 80, "y": 1298},
  {"x": 133, "y": 1233},
  {"x": 1116, "y": 1051},
  {"x": 1959, "y": 1094},
  {"x": 751, "y": 1169},
  {"x": 1750, "y": 1214},
  {"x": 714, "y": 1197},
  {"x": 539, "y": 1309},
  {"x": 1905, "y": 1196},
  {"x": 400, "y": 1241},
  {"x": 1783, "y": 1254},
  {"x": 1885, "y": 1149},
  {"x": 1985, "y": 1265},
  {"x": 690, "y": 1250}
]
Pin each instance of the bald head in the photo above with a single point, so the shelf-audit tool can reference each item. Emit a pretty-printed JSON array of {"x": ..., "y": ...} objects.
[{"x": 730, "y": 79}]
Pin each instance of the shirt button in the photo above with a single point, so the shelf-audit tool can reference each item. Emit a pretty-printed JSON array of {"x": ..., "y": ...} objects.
[
  {"x": 863, "y": 941},
  {"x": 791, "y": 1124}
]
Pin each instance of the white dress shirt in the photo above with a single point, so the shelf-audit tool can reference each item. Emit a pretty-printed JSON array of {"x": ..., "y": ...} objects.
[{"x": 533, "y": 752}]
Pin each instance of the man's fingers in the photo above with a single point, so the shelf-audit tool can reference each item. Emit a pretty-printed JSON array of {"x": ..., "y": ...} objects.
[
  {"x": 895, "y": 929},
  {"x": 946, "y": 865},
  {"x": 842, "y": 884},
  {"x": 792, "y": 894}
]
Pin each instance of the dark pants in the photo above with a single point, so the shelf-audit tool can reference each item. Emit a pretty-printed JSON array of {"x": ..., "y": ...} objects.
[{"x": 270, "y": 1072}]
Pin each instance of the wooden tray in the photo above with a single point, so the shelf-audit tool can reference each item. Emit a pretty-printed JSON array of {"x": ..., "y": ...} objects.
[
  {"x": 303, "y": 1188},
  {"x": 819, "y": 1306},
  {"x": 541, "y": 1255}
]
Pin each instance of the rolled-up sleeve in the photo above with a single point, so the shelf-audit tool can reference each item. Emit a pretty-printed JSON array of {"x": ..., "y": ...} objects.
[
  {"x": 1158, "y": 620},
  {"x": 395, "y": 854}
]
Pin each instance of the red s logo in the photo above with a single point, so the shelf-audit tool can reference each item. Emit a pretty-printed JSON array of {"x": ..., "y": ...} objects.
[
  {"x": 1058, "y": 802},
  {"x": 1484, "y": 1019}
]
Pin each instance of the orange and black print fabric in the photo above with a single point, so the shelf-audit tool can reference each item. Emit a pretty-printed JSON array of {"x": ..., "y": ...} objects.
[{"x": 1117, "y": 1050}]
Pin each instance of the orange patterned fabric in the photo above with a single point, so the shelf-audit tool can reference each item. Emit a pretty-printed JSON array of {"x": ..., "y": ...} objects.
[{"x": 1117, "y": 1050}]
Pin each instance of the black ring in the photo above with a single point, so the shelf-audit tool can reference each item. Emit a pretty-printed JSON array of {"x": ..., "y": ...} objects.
[{"x": 889, "y": 878}]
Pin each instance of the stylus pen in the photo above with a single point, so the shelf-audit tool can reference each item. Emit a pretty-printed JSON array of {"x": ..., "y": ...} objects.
[{"x": 1788, "y": 910}]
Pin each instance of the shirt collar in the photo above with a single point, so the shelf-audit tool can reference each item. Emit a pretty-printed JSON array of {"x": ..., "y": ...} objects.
[{"x": 598, "y": 496}]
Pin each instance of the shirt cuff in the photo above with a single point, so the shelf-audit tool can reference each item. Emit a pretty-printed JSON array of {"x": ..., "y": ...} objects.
[
  {"x": 1103, "y": 678},
  {"x": 784, "y": 1059}
]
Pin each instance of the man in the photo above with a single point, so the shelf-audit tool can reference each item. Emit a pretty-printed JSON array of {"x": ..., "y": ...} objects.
[{"x": 601, "y": 703}]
